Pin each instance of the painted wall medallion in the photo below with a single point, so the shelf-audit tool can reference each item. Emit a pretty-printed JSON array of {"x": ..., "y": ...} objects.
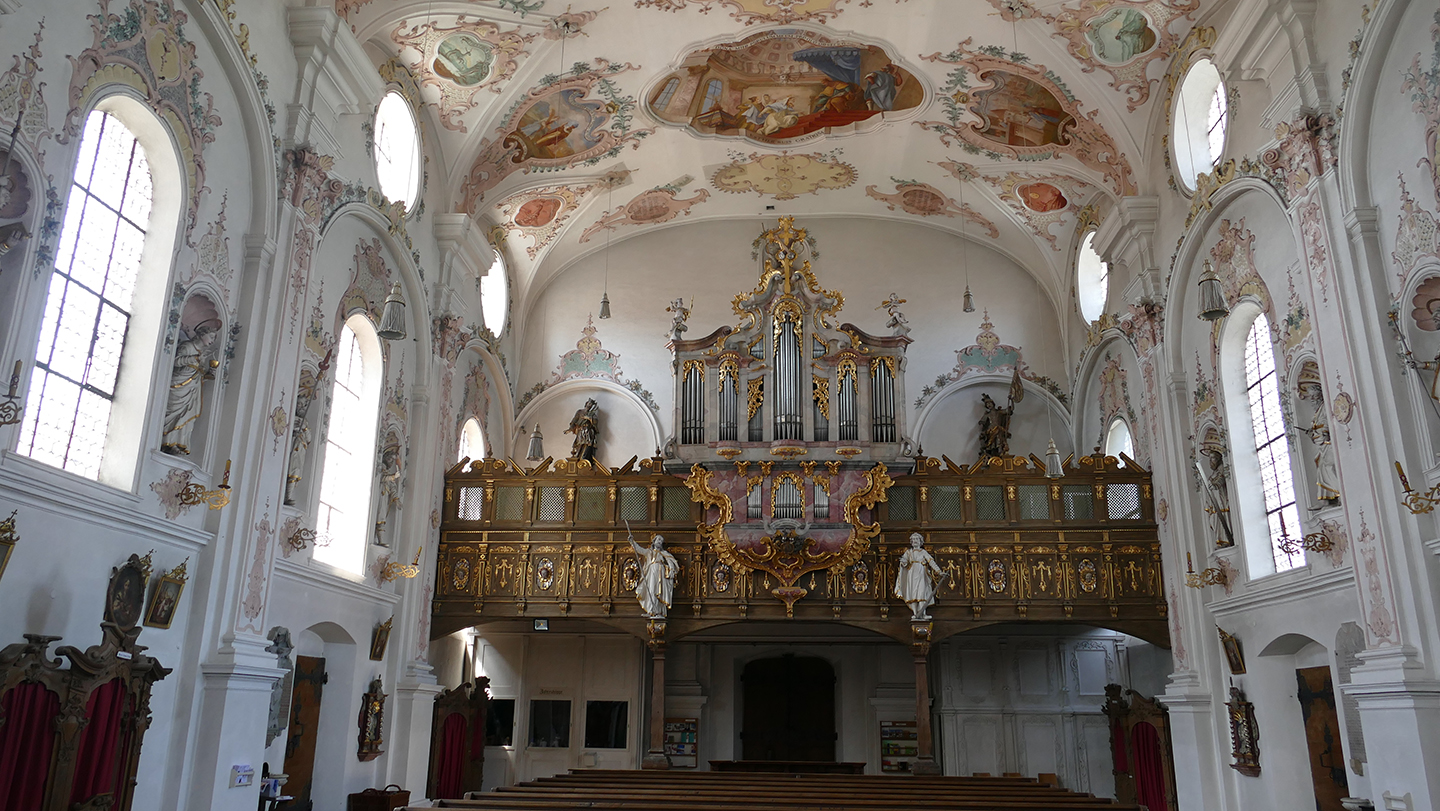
[
  {"x": 545, "y": 574},
  {"x": 558, "y": 125},
  {"x": 1120, "y": 35},
  {"x": 784, "y": 176},
  {"x": 540, "y": 214},
  {"x": 1042, "y": 197},
  {"x": 456, "y": 61},
  {"x": 1008, "y": 107},
  {"x": 924, "y": 200},
  {"x": 784, "y": 86},
  {"x": 720, "y": 578},
  {"x": 1343, "y": 408}
]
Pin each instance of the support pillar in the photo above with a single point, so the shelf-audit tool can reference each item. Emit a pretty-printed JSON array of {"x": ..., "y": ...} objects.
[
  {"x": 655, "y": 756},
  {"x": 920, "y": 633}
]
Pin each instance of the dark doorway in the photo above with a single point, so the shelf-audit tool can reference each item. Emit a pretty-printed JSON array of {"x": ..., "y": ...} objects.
[
  {"x": 789, "y": 709},
  {"x": 1322, "y": 737},
  {"x": 304, "y": 731}
]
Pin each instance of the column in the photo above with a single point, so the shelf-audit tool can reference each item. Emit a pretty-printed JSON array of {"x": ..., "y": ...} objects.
[
  {"x": 920, "y": 633},
  {"x": 655, "y": 755}
]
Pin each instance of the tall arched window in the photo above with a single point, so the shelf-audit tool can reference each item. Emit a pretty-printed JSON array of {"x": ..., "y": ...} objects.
[
  {"x": 1271, "y": 446},
  {"x": 472, "y": 441},
  {"x": 712, "y": 95},
  {"x": 86, "y": 381},
  {"x": 1118, "y": 440},
  {"x": 350, "y": 446},
  {"x": 666, "y": 94}
]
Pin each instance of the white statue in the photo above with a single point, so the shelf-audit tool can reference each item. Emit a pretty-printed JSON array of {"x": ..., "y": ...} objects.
[
  {"x": 1327, "y": 471},
  {"x": 916, "y": 576},
  {"x": 299, "y": 443},
  {"x": 677, "y": 322},
  {"x": 657, "y": 577},
  {"x": 388, "y": 471},
  {"x": 182, "y": 407}
]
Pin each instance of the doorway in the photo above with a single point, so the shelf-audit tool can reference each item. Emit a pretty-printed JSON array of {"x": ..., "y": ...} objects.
[
  {"x": 789, "y": 709},
  {"x": 1322, "y": 737},
  {"x": 304, "y": 731}
]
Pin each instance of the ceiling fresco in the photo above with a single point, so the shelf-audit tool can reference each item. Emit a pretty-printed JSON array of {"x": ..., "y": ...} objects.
[
  {"x": 784, "y": 86},
  {"x": 1013, "y": 123}
]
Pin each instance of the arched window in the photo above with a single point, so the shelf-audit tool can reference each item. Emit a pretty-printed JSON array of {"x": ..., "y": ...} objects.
[
  {"x": 495, "y": 296},
  {"x": 397, "y": 150},
  {"x": 472, "y": 441},
  {"x": 1092, "y": 279},
  {"x": 712, "y": 95},
  {"x": 1117, "y": 439},
  {"x": 1271, "y": 446},
  {"x": 350, "y": 446},
  {"x": 86, "y": 406},
  {"x": 1199, "y": 122},
  {"x": 666, "y": 94}
]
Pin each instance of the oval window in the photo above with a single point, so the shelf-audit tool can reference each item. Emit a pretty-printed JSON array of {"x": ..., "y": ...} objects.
[
  {"x": 1092, "y": 279},
  {"x": 1199, "y": 122},
  {"x": 397, "y": 150},
  {"x": 495, "y": 296}
]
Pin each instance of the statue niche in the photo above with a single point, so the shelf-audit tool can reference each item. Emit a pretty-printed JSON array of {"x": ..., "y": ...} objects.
[
  {"x": 193, "y": 367},
  {"x": 585, "y": 425}
]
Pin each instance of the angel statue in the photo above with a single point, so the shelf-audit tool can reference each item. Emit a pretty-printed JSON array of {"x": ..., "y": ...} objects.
[
  {"x": 190, "y": 371},
  {"x": 658, "y": 569},
  {"x": 585, "y": 425},
  {"x": 677, "y": 322},
  {"x": 916, "y": 575}
]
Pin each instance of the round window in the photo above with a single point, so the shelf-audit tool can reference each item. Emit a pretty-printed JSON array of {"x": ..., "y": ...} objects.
[
  {"x": 495, "y": 296},
  {"x": 1092, "y": 279},
  {"x": 397, "y": 150},
  {"x": 1198, "y": 122}
]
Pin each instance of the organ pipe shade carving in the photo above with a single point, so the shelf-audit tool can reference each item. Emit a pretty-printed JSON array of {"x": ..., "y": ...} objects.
[{"x": 755, "y": 397}]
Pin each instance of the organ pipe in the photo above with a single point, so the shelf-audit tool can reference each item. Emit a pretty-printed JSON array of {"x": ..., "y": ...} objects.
[
  {"x": 789, "y": 374},
  {"x": 882, "y": 400},
  {"x": 692, "y": 407},
  {"x": 729, "y": 403},
  {"x": 848, "y": 406}
]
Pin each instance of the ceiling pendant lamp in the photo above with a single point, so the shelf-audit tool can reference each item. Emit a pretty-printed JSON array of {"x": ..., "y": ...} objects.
[
  {"x": 1212, "y": 297},
  {"x": 964, "y": 256},
  {"x": 1054, "y": 465},
  {"x": 536, "y": 451},
  {"x": 605, "y": 295},
  {"x": 392, "y": 319},
  {"x": 969, "y": 301}
]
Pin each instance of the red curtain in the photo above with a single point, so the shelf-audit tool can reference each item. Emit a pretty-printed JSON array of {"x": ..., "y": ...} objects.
[
  {"x": 477, "y": 737},
  {"x": 102, "y": 743},
  {"x": 452, "y": 758},
  {"x": 26, "y": 740},
  {"x": 1149, "y": 767}
]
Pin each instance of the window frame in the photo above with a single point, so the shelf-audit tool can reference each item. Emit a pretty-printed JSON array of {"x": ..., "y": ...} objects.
[
  {"x": 411, "y": 200},
  {"x": 362, "y": 453},
  {"x": 1190, "y": 126},
  {"x": 134, "y": 424}
]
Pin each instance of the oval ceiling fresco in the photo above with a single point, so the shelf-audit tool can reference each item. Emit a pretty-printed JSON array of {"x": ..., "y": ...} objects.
[{"x": 784, "y": 86}]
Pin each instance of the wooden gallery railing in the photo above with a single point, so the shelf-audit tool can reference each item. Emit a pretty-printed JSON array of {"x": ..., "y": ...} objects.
[{"x": 550, "y": 541}]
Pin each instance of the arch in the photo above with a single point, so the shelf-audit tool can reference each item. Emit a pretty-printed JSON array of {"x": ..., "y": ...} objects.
[
  {"x": 504, "y": 405},
  {"x": 1359, "y": 105},
  {"x": 527, "y": 414},
  {"x": 1119, "y": 439},
  {"x": 1058, "y": 412},
  {"x": 472, "y": 441},
  {"x": 1084, "y": 388},
  {"x": 1288, "y": 644}
]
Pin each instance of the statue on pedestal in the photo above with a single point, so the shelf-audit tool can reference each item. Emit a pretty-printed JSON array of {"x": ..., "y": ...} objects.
[
  {"x": 1214, "y": 477},
  {"x": 190, "y": 371},
  {"x": 995, "y": 422},
  {"x": 1327, "y": 471},
  {"x": 658, "y": 569},
  {"x": 916, "y": 575},
  {"x": 585, "y": 425}
]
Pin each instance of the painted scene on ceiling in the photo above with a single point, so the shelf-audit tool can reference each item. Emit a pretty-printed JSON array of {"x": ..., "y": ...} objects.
[{"x": 784, "y": 86}]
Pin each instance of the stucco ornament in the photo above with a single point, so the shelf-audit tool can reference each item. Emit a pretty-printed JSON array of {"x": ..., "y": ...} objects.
[
  {"x": 924, "y": 200},
  {"x": 458, "y": 61},
  {"x": 540, "y": 214},
  {"x": 784, "y": 176},
  {"x": 916, "y": 575},
  {"x": 658, "y": 569},
  {"x": 1041, "y": 200},
  {"x": 751, "y": 12},
  {"x": 1424, "y": 89},
  {"x": 647, "y": 208}
]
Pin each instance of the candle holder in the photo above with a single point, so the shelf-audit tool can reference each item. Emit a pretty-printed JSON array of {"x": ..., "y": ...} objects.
[
  {"x": 1416, "y": 502},
  {"x": 305, "y": 537},
  {"x": 11, "y": 412},
  {"x": 1205, "y": 577},
  {"x": 394, "y": 570},
  {"x": 194, "y": 494},
  {"x": 1318, "y": 542}
]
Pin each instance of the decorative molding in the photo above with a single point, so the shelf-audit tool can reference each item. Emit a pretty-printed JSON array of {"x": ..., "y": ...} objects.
[
  {"x": 540, "y": 214},
  {"x": 589, "y": 360},
  {"x": 1040, "y": 200},
  {"x": 1424, "y": 89},
  {"x": 924, "y": 200},
  {"x": 752, "y": 12},
  {"x": 478, "y": 55},
  {"x": 647, "y": 208}
]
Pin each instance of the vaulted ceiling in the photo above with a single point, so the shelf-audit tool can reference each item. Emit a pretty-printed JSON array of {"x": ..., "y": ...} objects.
[{"x": 1008, "y": 120}]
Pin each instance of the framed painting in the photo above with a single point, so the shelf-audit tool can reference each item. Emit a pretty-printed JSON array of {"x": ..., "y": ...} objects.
[
  {"x": 380, "y": 639},
  {"x": 1234, "y": 654},
  {"x": 164, "y": 599}
]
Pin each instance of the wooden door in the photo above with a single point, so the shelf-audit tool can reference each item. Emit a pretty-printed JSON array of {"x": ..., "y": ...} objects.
[
  {"x": 789, "y": 709},
  {"x": 1322, "y": 737},
  {"x": 303, "y": 732}
]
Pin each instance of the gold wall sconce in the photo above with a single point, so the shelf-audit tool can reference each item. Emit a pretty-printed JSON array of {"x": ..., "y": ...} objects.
[
  {"x": 1416, "y": 502},
  {"x": 10, "y": 409},
  {"x": 1205, "y": 577},
  {"x": 305, "y": 537},
  {"x": 1319, "y": 542},
  {"x": 394, "y": 570},
  {"x": 194, "y": 494}
]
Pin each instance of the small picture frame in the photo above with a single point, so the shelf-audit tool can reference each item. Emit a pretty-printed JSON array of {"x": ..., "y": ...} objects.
[
  {"x": 380, "y": 639},
  {"x": 1234, "y": 654},
  {"x": 165, "y": 597}
]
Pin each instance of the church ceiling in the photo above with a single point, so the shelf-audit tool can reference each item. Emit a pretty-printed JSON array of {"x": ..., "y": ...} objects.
[{"x": 1010, "y": 120}]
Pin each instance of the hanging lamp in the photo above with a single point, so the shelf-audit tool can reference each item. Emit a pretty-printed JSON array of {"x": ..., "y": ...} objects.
[
  {"x": 392, "y": 319},
  {"x": 964, "y": 256},
  {"x": 605, "y": 295},
  {"x": 536, "y": 451},
  {"x": 1212, "y": 297}
]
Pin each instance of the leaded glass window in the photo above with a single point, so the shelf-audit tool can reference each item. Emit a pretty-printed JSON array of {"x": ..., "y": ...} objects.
[{"x": 1271, "y": 446}]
